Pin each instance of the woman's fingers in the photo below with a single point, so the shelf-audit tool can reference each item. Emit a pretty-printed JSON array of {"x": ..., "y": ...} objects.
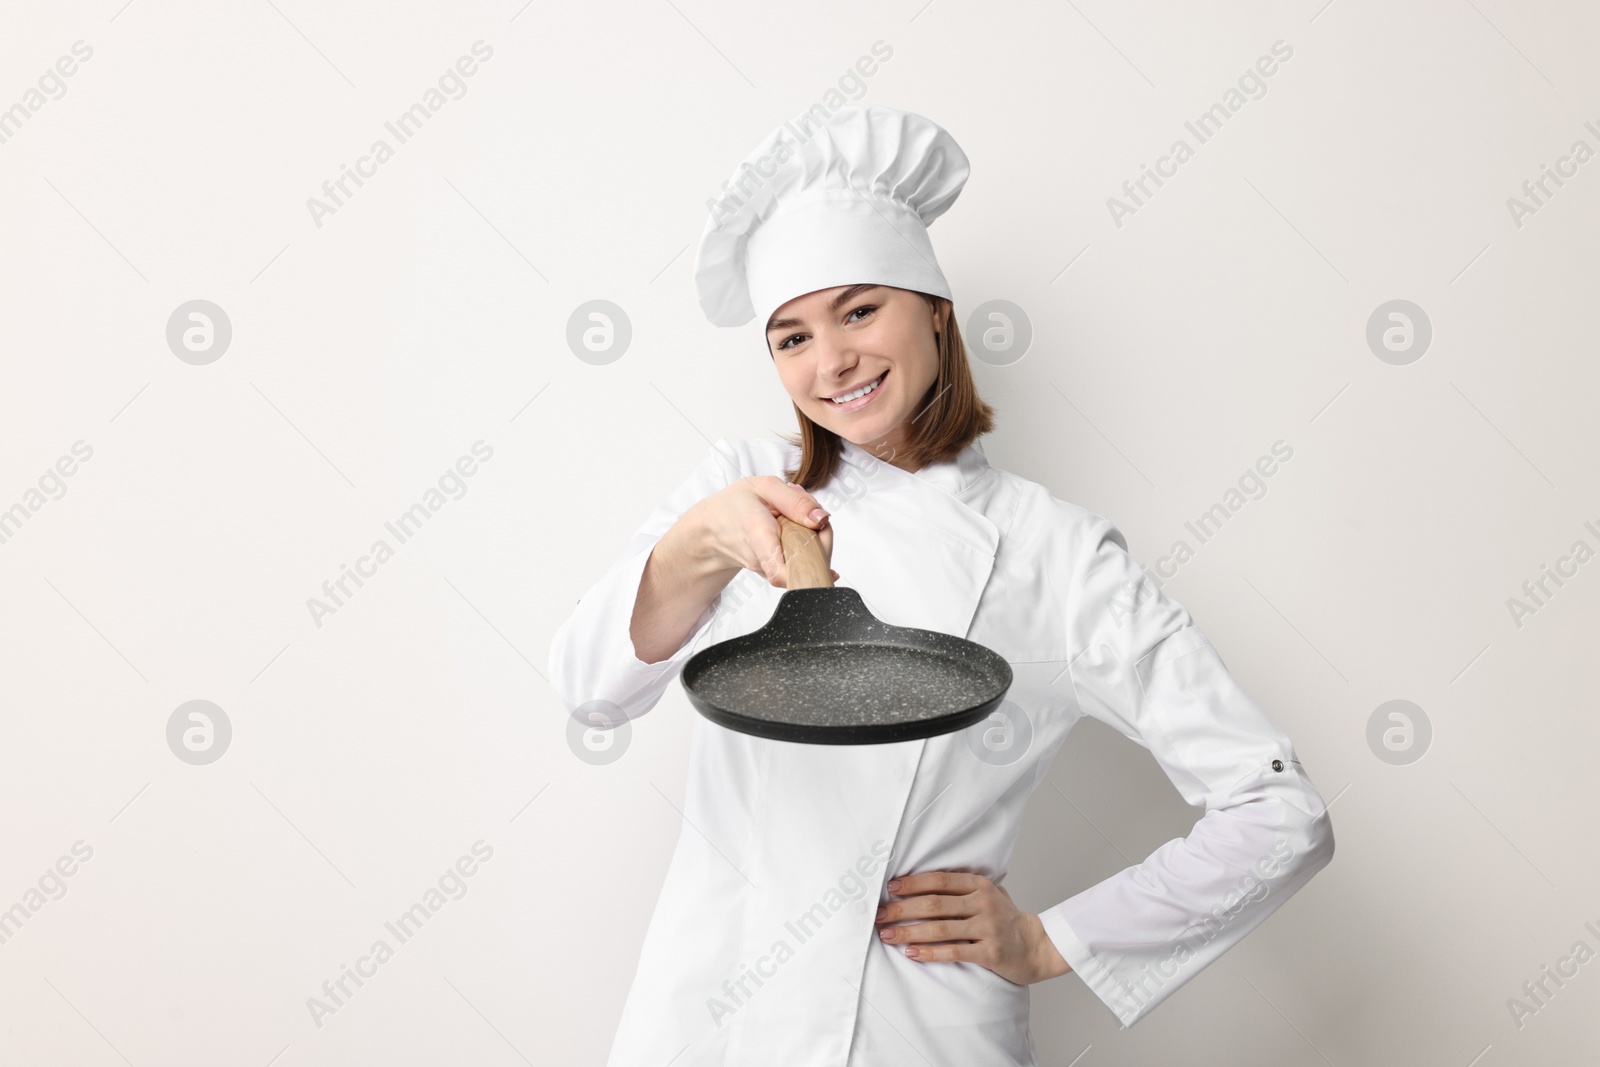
[
  {"x": 935, "y": 895},
  {"x": 937, "y": 882},
  {"x": 762, "y": 537},
  {"x": 800, "y": 506},
  {"x": 958, "y": 916},
  {"x": 938, "y": 930},
  {"x": 745, "y": 521},
  {"x": 929, "y": 907},
  {"x": 795, "y": 504}
]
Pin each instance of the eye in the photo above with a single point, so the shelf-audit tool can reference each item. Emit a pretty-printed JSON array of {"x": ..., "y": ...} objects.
[{"x": 851, "y": 317}]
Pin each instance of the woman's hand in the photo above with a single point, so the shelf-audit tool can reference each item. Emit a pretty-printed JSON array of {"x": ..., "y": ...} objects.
[
  {"x": 737, "y": 526},
  {"x": 713, "y": 540},
  {"x": 969, "y": 908}
]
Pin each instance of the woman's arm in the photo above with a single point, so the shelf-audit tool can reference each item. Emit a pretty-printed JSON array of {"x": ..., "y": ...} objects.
[
  {"x": 593, "y": 667},
  {"x": 1144, "y": 668},
  {"x": 679, "y": 583},
  {"x": 630, "y": 633}
]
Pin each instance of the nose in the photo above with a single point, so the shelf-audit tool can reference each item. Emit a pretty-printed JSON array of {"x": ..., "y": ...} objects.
[{"x": 836, "y": 359}]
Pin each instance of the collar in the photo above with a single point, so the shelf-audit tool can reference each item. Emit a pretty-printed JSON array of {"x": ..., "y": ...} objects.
[{"x": 953, "y": 475}]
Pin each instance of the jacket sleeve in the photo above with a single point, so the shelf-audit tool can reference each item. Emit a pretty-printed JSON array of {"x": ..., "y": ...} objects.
[
  {"x": 1141, "y": 666},
  {"x": 593, "y": 667}
]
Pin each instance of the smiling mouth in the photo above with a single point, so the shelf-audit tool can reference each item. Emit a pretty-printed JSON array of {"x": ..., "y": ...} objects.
[{"x": 857, "y": 394}]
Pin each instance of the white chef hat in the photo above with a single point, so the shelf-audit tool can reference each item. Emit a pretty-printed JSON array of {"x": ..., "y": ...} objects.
[{"x": 836, "y": 202}]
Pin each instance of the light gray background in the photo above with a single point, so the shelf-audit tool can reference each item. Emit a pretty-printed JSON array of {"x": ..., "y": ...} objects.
[{"x": 430, "y": 312}]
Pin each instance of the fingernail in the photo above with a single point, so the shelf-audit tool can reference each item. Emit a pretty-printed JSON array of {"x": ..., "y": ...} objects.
[
  {"x": 911, "y": 950},
  {"x": 887, "y": 933},
  {"x": 882, "y": 912},
  {"x": 817, "y": 515},
  {"x": 894, "y": 886}
]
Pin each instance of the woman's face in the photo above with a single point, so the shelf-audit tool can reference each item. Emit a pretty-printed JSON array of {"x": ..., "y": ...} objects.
[{"x": 832, "y": 342}]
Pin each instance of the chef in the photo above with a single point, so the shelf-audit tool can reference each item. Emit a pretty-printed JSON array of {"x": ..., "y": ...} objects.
[{"x": 834, "y": 905}]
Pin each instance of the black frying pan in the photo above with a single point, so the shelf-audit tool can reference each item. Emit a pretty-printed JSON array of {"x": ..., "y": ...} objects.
[{"x": 824, "y": 670}]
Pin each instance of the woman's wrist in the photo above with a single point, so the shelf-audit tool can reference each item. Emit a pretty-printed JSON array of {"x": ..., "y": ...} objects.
[
  {"x": 693, "y": 551},
  {"x": 1048, "y": 961}
]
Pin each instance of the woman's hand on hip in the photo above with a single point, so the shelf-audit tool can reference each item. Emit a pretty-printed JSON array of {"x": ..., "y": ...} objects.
[
  {"x": 738, "y": 525},
  {"x": 968, "y": 917}
]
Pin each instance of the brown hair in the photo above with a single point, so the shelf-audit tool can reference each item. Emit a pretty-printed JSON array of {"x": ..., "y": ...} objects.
[{"x": 952, "y": 415}]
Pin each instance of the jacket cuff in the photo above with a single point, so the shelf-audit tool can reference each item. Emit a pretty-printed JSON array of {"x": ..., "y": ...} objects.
[{"x": 1085, "y": 965}]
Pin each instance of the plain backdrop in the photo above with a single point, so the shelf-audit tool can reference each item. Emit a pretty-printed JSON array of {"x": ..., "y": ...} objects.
[{"x": 375, "y": 742}]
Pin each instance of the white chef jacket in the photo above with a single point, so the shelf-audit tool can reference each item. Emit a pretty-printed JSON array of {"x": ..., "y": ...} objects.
[{"x": 762, "y": 947}]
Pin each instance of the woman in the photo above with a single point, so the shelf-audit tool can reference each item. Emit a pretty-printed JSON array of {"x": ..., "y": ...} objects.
[{"x": 841, "y": 905}]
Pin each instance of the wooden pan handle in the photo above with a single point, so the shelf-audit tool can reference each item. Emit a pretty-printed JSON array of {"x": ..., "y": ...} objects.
[{"x": 802, "y": 554}]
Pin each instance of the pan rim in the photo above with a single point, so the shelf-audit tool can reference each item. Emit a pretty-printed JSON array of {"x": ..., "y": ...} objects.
[{"x": 855, "y": 734}]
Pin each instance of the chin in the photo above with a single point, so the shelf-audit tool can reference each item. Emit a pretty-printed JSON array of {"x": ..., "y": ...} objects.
[
  {"x": 858, "y": 433},
  {"x": 848, "y": 429}
]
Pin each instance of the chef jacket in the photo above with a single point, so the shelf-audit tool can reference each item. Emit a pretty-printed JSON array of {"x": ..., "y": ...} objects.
[{"x": 763, "y": 948}]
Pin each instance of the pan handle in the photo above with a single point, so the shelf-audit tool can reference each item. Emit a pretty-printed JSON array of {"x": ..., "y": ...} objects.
[{"x": 802, "y": 554}]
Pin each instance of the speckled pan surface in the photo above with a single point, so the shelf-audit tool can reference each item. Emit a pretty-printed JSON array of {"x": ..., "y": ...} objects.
[{"x": 824, "y": 670}]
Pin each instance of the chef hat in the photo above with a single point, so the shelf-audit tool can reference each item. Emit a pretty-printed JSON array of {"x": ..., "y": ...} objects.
[{"x": 837, "y": 202}]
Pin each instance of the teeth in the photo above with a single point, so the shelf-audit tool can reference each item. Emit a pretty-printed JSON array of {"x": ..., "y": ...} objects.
[{"x": 863, "y": 391}]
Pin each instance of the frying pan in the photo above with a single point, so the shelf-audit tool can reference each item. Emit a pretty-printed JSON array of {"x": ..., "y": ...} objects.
[{"x": 824, "y": 670}]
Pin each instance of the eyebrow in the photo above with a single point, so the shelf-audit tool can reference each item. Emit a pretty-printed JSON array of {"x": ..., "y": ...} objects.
[{"x": 833, "y": 305}]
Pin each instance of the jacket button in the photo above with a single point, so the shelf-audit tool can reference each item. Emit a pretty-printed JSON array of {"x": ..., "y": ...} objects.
[{"x": 1277, "y": 764}]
